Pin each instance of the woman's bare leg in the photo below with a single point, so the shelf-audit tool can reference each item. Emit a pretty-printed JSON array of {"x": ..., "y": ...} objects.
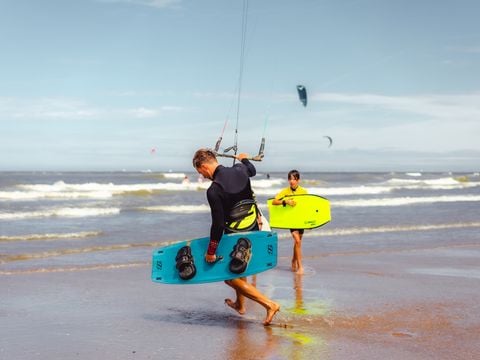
[{"x": 297, "y": 252}]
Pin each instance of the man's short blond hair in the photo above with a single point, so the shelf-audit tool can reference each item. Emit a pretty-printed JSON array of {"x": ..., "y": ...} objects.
[{"x": 203, "y": 156}]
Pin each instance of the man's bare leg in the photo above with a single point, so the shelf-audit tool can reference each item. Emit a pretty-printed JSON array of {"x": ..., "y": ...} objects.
[
  {"x": 243, "y": 287},
  {"x": 239, "y": 304}
]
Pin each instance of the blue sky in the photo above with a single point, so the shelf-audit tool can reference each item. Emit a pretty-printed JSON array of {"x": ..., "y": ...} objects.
[{"x": 96, "y": 84}]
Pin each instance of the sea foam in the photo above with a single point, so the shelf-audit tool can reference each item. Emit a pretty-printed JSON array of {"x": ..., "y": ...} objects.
[
  {"x": 399, "y": 201},
  {"x": 60, "y": 212}
]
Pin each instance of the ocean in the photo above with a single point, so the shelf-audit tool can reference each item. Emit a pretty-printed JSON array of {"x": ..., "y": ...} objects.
[{"x": 54, "y": 221}]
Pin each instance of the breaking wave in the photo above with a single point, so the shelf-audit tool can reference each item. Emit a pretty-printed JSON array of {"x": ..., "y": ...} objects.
[
  {"x": 50, "y": 237},
  {"x": 267, "y": 187},
  {"x": 391, "y": 201},
  {"x": 184, "y": 209},
  {"x": 325, "y": 232},
  {"x": 59, "y": 212},
  {"x": 400, "y": 201}
]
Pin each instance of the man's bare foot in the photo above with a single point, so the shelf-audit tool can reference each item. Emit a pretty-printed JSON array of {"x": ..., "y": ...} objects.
[
  {"x": 299, "y": 271},
  {"x": 235, "y": 306},
  {"x": 271, "y": 313}
]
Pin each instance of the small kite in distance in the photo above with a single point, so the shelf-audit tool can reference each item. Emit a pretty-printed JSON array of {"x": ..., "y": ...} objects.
[
  {"x": 330, "y": 140},
  {"x": 302, "y": 94}
]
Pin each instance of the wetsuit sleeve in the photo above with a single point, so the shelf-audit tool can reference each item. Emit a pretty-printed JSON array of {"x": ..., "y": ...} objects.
[
  {"x": 218, "y": 218},
  {"x": 251, "y": 171}
]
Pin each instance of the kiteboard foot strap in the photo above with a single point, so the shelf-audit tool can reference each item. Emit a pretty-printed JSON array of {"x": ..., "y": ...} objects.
[
  {"x": 185, "y": 264},
  {"x": 241, "y": 254}
]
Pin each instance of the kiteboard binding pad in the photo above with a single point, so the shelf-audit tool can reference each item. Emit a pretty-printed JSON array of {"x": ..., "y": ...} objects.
[
  {"x": 311, "y": 211},
  {"x": 241, "y": 254},
  {"x": 238, "y": 255},
  {"x": 185, "y": 264}
]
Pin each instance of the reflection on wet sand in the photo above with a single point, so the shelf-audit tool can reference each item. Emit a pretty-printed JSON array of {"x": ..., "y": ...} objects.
[
  {"x": 301, "y": 342},
  {"x": 298, "y": 287},
  {"x": 293, "y": 334},
  {"x": 274, "y": 342},
  {"x": 301, "y": 308},
  {"x": 248, "y": 344}
]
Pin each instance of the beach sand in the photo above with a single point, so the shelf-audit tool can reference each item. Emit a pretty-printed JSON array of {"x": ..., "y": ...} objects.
[{"x": 404, "y": 303}]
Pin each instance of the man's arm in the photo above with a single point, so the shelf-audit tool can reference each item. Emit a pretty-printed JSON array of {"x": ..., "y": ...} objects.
[
  {"x": 251, "y": 171},
  {"x": 218, "y": 218}
]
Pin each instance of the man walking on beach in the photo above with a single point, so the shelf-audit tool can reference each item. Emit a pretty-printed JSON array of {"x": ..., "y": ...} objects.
[{"x": 230, "y": 186}]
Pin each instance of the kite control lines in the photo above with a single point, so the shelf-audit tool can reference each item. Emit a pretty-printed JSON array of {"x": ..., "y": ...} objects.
[{"x": 234, "y": 147}]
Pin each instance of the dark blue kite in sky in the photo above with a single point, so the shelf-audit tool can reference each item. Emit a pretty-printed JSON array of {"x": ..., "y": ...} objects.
[{"x": 302, "y": 94}]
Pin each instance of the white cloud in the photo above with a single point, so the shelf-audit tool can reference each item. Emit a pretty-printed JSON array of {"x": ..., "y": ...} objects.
[
  {"x": 143, "y": 113},
  {"x": 467, "y": 49},
  {"x": 73, "y": 109},
  {"x": 452, "y": 107},
  {"x": 45, "y": 108},
  {"x": 215, "y": 95},
  {"x": 159, "y": 4}
]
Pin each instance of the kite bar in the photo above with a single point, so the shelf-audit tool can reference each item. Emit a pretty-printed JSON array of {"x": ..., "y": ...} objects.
[{"x": 253, "y": 158}]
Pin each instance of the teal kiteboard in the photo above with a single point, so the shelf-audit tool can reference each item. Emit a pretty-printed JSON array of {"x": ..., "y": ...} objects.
[
  {"x": 239, "y": 254},
  {"x": 310, "y": 211}
]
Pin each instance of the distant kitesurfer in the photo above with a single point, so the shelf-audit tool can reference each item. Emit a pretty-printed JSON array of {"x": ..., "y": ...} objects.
[
  {"x": 230, "y": 187},
  {"x": 282, "y": 199}
]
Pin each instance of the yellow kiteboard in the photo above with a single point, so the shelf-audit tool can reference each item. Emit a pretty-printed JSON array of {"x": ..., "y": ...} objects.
[{"x": 310, "y": 211}]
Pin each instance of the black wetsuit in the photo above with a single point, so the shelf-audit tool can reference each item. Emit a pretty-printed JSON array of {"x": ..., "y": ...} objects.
[{"x": 230, "y": 185}]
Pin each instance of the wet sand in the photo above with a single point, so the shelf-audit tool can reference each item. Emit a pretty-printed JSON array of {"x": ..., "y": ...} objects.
[{"x": 381, "y": 304}]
